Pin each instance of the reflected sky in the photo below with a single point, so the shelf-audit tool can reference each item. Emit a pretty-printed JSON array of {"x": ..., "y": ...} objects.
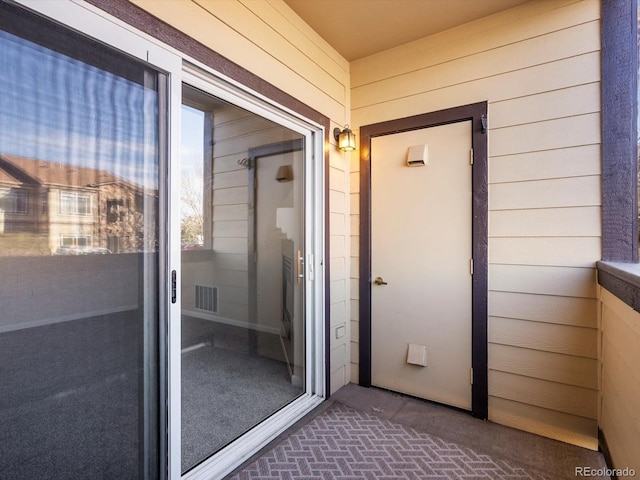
[
  {"x": 55, "y": 108},
  {"x": 191, "y": 162}
]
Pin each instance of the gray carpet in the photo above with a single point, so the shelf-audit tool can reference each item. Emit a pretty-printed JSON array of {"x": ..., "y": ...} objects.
[
  {"x": 69, "y": 400},
  {"x": 225, "y": 389},
  {"x": 70, "y": 395}
]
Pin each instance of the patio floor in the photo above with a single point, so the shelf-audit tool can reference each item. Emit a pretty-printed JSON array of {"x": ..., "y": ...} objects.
[{"x": 362, "y": 433}]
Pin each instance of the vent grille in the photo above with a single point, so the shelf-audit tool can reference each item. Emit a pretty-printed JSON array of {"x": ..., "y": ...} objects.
[{"x": 207, "y": 298}]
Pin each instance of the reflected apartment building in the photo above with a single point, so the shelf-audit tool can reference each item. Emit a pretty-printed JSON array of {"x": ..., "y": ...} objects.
[{"x": 54, "y": 208}]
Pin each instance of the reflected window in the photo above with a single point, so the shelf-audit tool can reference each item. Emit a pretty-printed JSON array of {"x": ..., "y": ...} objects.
[
  {"x": 14, "y": 201},
  {"x": 75, "y": 240},
  {"x": 75, "y": 203}
]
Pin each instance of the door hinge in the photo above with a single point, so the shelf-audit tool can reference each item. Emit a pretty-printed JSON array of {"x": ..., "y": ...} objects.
[
  {"x": 471, "y": 157},
  {"x": 471, "y": 376},
  {"x": 471, "y": 266}
]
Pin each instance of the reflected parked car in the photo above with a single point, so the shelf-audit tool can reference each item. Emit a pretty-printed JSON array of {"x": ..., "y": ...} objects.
[
  {"x": 69, "y": 250},
  {"x": 192, "y": 246}
]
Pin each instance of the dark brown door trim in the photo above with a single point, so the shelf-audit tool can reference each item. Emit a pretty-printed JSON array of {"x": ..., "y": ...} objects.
[{"x": 477, "y": 113}]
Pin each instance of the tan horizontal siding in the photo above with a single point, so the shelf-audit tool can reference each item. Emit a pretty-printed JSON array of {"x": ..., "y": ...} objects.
[
  {"x": 546, "y": 422},
  {"x": 289, "y": 25},
  {"x": 230, "y": 196},
  {"x": 299, "y": 69},
  {"x": 230, "y": 228},
  {"x": 559, "y": 281},
  {"x": 569, "y": 42},
  {"x": 562, "y": 73},
  {"x": 550, "y": 105},
  {"x": 528, "y": 21},
  {"x": 543, "y": 365},
  {"x": 555, "y": 396},
  {"x": 236, "y": 178},
  {"x": 546, "y": 337},
  {"x": 578, "y": 161},
  {"x": 564, "y": 132},
  {"x": 250, "y": 19},
  {"x": 552, "y": 251},
  {"x": 620, "y": 391},
  {"x": 238, "y": 128},
  {"x": 622, "y": 386},
  {"x": 237, "y": 245},
  {"x": 231, "y": 212},
  {"x": 571, "y": 311},
  {"x": 538, "y": 66},
  {"x": 552, "y": 222}
]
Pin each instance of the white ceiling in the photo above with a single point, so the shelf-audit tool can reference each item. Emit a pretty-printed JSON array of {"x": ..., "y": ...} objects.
[{"x": 358, "y": 28}]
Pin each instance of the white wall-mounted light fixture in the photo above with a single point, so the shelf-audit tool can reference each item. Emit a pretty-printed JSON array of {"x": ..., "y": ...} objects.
[
  {"x": 346, "y": 138},
  {"x": 418, "y": 156}
]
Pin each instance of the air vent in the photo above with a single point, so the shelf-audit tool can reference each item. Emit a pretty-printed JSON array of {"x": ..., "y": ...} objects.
[{"x": 207, "y": 298}]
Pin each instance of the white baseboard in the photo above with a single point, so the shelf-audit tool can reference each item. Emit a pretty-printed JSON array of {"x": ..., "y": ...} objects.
[{"x": 232, "y": 322}]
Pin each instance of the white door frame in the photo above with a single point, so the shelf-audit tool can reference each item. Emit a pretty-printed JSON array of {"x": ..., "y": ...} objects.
[
  {"x": 477, "y": 114},
  {"x": 224, "y": 461}
]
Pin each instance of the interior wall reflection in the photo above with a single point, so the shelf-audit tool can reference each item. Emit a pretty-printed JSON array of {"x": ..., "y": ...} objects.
[{"x": 242, "y": 305}]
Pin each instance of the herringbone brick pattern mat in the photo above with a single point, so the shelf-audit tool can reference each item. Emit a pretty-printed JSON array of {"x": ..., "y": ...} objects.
[{"x": 346, "y": 444}]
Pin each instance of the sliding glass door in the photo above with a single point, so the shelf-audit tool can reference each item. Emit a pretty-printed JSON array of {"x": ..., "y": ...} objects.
[
  {"x": 242, "y": 321},
  {"x": 80, "y": 162},
  {"x": 161, "y": 256}
]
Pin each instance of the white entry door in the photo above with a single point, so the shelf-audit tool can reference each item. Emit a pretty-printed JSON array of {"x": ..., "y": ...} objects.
[{"x": 421, "y": 264}]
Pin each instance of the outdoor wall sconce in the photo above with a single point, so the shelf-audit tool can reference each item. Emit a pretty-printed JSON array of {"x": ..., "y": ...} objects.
[
  {"x": 285, "y": 174},
  {"x": 346, "y": 138}
]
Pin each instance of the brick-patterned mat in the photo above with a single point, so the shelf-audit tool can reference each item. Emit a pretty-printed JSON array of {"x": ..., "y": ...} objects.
[{"x": 342, "y": 443}]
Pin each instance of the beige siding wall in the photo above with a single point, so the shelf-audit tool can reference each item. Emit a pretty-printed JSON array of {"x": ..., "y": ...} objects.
[
  {"x": 268, "y": 39},
  {"x": 620, "y": 394},
  {"x": 538, "y": 66}
]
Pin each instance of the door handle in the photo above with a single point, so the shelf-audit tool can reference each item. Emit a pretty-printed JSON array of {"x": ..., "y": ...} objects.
[
  {"x": 300, "y": 265},
  {"x": 379, "y": 281},
  {"x": 174, "y": 289}
]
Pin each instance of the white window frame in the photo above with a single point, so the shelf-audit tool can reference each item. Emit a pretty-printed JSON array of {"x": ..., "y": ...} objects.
[
  {"x": 73, "y": 200},
  {"x": 14, "y": 195},
  {"x": 180, "y": 68},
  {"x": 74, "y": 237}
]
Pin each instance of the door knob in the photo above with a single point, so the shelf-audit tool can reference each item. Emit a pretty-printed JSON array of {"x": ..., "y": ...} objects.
[{"x": 379, "y": 281}]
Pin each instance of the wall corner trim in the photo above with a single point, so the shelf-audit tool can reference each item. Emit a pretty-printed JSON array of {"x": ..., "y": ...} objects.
[{"x": 619, "y": 131}]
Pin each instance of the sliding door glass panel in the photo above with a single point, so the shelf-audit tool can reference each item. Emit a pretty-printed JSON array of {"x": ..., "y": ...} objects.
[
  {"x": 242, "y": 245},
  {"x": 79, "y": 184}
]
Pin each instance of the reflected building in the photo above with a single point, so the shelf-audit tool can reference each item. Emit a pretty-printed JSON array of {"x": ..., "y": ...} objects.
[{"x": 54, "y": 208}]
